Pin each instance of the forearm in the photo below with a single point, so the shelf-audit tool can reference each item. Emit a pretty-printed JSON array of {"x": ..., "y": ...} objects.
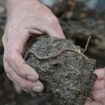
[{"x": 14, "y": 2}]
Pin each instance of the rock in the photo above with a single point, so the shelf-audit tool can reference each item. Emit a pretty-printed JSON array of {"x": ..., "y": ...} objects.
[{"x": 65, "y": 71}]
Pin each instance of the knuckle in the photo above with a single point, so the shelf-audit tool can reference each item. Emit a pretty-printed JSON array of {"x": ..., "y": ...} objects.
[
  {"x": 3, "y": 40},
  {"x": 10, "y": 57},
  {"x": 23, "y": 85},
  {"x": 22, "y": 73}
]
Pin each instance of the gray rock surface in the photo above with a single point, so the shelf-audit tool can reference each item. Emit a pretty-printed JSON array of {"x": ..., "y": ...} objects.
[{"x": 66, "y": 72}]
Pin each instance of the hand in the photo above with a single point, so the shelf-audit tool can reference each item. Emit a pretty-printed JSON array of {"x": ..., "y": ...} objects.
[
  {"x": 25, "y": 19},
  {"x": 98, "y": 91}
]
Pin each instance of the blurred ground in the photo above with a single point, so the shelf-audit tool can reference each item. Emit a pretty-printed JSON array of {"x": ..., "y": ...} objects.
[{"x": 2, "y": 2}]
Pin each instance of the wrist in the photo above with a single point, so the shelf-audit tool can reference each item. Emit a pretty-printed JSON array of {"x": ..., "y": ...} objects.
[{"x": 17, "y": 5}]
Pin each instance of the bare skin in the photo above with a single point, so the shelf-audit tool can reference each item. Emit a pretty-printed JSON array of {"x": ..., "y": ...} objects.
[
  {"x": 98, "y": 92},
  {"x": 26, "y": 18},
  {"x": 30, "y": 18}
]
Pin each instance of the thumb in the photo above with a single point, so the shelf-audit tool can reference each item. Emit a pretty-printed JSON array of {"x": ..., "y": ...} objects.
[{"x": 55, "y": 30}]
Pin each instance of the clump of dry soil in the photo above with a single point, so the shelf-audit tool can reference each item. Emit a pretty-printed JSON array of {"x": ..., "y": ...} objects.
[{"x": 66, "y": 72}]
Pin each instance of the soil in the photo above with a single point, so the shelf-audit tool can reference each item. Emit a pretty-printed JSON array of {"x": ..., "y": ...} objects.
[{"x": 66, "y": 72}]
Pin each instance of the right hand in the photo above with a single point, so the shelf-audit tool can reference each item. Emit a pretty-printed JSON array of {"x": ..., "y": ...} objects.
[
  {"x": 98, "y": 91},
  {"x": 24, "y": 19}
]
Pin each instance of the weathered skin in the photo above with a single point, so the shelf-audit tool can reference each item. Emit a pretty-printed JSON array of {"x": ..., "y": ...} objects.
[{"x": 67, "y": 74}]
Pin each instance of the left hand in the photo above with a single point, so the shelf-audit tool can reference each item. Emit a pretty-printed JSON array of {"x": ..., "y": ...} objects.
[
  {"x": 26, "y": 18},
  {"x": 98, "y": 91}
]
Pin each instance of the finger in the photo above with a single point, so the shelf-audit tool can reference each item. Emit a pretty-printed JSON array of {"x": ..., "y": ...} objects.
[
  {"x": 27, "y": 85},
  {"x": 99, "y": 84},
  {"x": 100, "y": 73},
  {"x": 35, "y": 31},
  {"x": 92, "y": 103},
  {"x": 99, "y": 95},
  {"x": 24, "y": 84},
  {"x": 21, "y": 68},
  {"x": 54, "y": 29}
]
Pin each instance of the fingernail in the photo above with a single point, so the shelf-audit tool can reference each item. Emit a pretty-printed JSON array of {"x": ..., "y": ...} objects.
[
  {"x": 32, "y": 78},
  {"x": 37, "y": 89}
]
